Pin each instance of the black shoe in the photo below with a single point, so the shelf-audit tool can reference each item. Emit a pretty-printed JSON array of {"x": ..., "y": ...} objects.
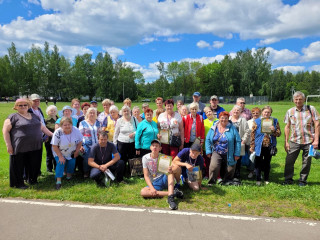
[
  {"x": 177, "y": 193},
  {"x": 302, "y": 184},
  {"x": 287, "y": 183},
  {"x": 58, "y": 186},
  {"x": 172, "y": 204},
  {"x": 23, "y": 187}
]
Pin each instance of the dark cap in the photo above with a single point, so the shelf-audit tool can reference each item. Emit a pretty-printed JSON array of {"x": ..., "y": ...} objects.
[
  {"x": 156, "y": 141},
  {"x": 196, "y": 147},
  {"x": 196, "y": 94},
  {"x": 93, "y": 101}
]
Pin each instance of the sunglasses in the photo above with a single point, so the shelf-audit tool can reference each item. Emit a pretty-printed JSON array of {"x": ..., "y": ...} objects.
[
  {"x": 242, "y": 103},
  {"x": 24, "y": 105}
]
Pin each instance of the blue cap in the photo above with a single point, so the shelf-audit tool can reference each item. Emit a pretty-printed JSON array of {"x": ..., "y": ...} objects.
[
  {"x": 196, "y": 94},
  {"x": 93, "y": 101}
]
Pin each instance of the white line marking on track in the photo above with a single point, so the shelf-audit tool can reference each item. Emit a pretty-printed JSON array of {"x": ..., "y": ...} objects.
[{"x": 156, "y": 211}]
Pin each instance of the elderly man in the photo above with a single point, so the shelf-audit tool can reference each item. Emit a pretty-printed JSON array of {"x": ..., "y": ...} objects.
[
  {"x": 215, "y": 108},
  {"x": 245, "y": 112},
  {"x": 196, "y": 99},
  {"x": 302, "y": 121}
]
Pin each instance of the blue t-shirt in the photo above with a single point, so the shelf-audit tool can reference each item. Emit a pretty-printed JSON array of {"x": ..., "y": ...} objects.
[{"x": 184, "y": 155}]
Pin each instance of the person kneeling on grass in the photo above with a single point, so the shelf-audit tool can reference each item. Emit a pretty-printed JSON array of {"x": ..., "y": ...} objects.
[
  {"x": 100, "y": 159},
  {"x": 190, "y": 163},
  {"x": 158, "y": 181}
]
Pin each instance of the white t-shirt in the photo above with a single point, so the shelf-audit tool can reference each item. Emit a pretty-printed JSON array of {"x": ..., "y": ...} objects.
[
  {"x": 152, "y": 165},
  {"x": 67, "y": 143},
  {"x": 173, "y": 123}
]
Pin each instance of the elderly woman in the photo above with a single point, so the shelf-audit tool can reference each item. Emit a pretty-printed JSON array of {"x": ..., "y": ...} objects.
[
  {"x": 124, "y": 135},
  {"x": 183, "y": 111},
  {"x": 145, "y": 106},
  {"x": 85, "y": 106},
  {"x": 193, "y": 126},
  {"x": 66, "y": 143},
  {"x": 208, "y": 122},
  {"x": 75, "y": 104},
  {"x": 136, "y": 113},
  {"x": 110, "y": 123},
  {"x": 89, "y": 128},
  {"x": 146, "y": 132},
  {"x": 262, "y": 142},
  {"x": 223, "y": 145},
  {"x": 256, "y": 112},
  {"x": 50, "y": 121},
  {"x": 242, "y": 127},
  {"x": 106, "y": 103},
  {"x": 170, "y": 126},
  {"x": 68, "y": 112},
  {"x": 23, "y": 137}
]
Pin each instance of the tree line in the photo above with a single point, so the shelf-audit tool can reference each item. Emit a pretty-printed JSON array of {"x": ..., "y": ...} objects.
[{"x": 50, "y": 74}]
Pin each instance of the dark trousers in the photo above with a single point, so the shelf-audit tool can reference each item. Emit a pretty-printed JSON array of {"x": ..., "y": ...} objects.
[
  {"x": 127, "y": 151},
  {"x": 262, "y": 164},
  {"x": 144, "y": 152},
  {"x": 28, "y": 163},
  {"x": 220, "y": 163},
  {"x": 117, "y": 169},
  {"x": 50, "y": 161},
  {"x": 291, "y": 158}
]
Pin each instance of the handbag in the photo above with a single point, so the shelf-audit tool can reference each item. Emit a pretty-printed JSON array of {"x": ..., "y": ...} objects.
[
  {"x": 136, "y": 168},
  {"x": 175, "y": 141}
]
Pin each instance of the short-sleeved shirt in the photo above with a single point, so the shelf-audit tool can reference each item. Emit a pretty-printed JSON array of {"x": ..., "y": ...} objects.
[
  {"x": 67, "y": 143},
  {"x": 152, "y": 165},
  {"x": 102, "y": 155},
  {"x": 301, "y": 124},
  {"x": 184, "y": 155},
  {"x": 25, "y": 134}
]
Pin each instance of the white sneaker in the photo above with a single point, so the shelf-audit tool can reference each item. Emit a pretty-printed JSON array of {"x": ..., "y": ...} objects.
[
  {"x": 266, "y": 182},
  {"x": 258, "y": 183}
]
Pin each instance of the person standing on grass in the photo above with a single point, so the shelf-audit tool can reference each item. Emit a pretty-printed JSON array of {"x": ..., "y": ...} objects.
[
  {"x": 245, "y": 112},
  {"x": 262, "y": 142},
  {"x": 215, "y": 108},
  {"x": 66, "y": 143},
  {"x": 156, "y": 181},
  {"x": 196, "y": 99},
  {"x": 100, "y": 160},
  {"x": 301, "y": 131}
]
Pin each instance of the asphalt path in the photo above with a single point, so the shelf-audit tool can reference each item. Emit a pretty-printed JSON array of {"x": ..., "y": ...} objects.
[{"x": 32, "y": 220}]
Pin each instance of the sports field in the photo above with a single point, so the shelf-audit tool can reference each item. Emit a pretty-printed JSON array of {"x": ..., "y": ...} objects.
[{"x": 273, "y": 200}]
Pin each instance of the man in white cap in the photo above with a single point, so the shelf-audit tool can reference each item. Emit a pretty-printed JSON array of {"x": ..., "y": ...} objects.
[
  {"x": 196, "y": 99},
  {"x": 35, "y": 98},
  {"x": 215, "y": 108}
]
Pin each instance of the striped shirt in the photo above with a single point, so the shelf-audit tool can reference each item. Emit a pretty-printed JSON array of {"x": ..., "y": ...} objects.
[{"x": 301, "y": 124}]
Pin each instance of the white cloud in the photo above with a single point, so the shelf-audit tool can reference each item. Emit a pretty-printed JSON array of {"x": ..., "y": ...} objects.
[
  {"x": 173, "y": 39},
  {"x": 36, "y": 2},
  {"x": 114, "y": 52},
  {"x": 58, "y": 5},
  {"x": 204, "y": 60},
  {"x": 283, "y": 56},
  {"x": 312, "y": 52},
  {"x": 203, "y": 44},
  {"x": 292, "y": 69},
  {"x": 217, "y": 44},
  {"x": 315, "y": 68},
  {"x": 147, "y": 40}
]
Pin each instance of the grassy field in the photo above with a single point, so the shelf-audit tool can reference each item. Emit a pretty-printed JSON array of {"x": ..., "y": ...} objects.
[{"x": 273, "y": 200}]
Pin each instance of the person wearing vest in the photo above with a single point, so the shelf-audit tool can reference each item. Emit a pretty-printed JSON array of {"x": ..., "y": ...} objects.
[{"x": 262, "y": 143}]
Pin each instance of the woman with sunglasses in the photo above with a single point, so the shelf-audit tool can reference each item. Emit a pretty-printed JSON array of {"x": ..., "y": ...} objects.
[{"x": 22, "y": 132}]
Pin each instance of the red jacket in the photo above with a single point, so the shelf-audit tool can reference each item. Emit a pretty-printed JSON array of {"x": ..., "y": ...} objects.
[{"x": 187, "y": 122}]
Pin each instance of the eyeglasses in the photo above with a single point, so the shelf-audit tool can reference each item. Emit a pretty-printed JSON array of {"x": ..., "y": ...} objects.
[
  {"x": 214, "y": 99},
  {"x": 242, "y": 103},
  {"x": 24, "y": 105}
]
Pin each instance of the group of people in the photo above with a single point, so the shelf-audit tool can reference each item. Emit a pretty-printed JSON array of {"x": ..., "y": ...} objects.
[{"x": 204, "y": 142}]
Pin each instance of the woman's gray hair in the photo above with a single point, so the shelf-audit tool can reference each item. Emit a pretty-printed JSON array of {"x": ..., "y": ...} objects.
[
  {"x": 298, "y": 93},
  {"x": 237, "y": 106},
  {"x": 89, "y": 110},
  {"x": 50, "y": 107},
  {"x": 114, "y": 108},
  {"x": 194, "y": 105},
  {"x": 135, "y": 107},
  {"x": 125, "y": 107}
]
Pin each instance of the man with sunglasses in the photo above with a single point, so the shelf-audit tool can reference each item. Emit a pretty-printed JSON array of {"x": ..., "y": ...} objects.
[
  {"x": 215, "y": 108},
  {"x": 245, "y": 112}
]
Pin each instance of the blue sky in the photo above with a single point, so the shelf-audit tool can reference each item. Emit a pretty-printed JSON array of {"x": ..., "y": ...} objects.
[{"x": 142, "y": 32}]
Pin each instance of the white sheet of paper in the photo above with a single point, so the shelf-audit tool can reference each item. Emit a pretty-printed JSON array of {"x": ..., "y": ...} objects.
[
  {"x": 164, "y": 136},
  {"x": 164, "y": 163}
]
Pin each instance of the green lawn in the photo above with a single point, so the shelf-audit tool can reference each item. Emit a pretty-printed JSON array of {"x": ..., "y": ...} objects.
[{"x": 273, "y": 200}]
